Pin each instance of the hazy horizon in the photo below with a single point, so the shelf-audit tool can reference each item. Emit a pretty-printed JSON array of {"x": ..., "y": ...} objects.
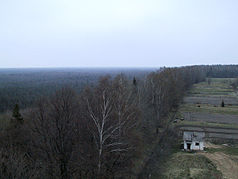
[
  {"x": 106, "y": 67},
  {"x": 127, "y": 67},
  {"x": 117, "y": 34}
]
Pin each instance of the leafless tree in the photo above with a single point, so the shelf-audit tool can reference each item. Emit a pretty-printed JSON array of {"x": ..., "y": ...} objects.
[
  {"x": 124, "y": 103},
  {"x": 157, "y": 90},
  {"x": 111, "y": 117},
  {"x": 17, "y": 164},
  {"x": 53, "y": 131}
]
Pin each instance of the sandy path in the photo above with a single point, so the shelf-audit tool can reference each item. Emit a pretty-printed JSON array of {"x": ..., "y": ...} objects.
[{"x": 224, "y": 163}]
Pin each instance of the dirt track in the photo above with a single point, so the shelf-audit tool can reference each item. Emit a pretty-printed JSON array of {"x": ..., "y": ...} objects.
[
  {"x": 227, "y": 164},
  {"x": 224, "y": 163}
]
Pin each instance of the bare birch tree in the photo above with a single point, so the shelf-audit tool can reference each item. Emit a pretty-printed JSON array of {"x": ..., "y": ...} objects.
[{"x": 110, "y": 120}]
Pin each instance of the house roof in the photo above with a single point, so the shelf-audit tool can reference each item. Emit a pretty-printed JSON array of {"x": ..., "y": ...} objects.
[{"x": 193, "y": 136}]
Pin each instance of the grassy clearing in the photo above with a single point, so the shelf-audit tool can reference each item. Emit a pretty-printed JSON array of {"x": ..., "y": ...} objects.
[
  {"x": 182, "y": 165},
  {"x": 222, "y": 80},
  {"x": 217, "y": 87},
  {"x": 210, "y": 90},
  {"x": 206, "y": 98},
  {"x": 230, "y": 150},
  {"x": 208, "y": 108},
  {"x": 206, "y": 124}
]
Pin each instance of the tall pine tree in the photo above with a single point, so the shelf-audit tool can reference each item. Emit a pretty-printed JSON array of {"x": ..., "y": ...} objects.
[{"x": 16, "y": 115}]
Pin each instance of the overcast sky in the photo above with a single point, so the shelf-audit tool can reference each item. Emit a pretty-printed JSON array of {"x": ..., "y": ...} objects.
[{"x": 117, "y": 33}]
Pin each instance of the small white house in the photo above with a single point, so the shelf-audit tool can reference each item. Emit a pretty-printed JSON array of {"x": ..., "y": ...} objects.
[{"x": 193, "y": 140}]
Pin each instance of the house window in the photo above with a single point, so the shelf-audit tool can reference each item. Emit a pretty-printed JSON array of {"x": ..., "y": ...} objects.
[{"x": 197, "y": 143}]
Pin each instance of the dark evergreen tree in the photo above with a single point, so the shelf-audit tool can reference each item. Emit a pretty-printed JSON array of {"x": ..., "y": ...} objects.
[
  {"x": 134, "y": 81},
  {"x": 222, "y": 103},
  {"x": 16, "y": 114}
]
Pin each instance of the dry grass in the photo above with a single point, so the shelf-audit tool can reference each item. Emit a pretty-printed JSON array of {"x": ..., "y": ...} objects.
[
  {"x": 213, "y": 100},
  {"x": 206, "y": 124},
  {"x": 224, "y": 163},
  {"x": 225, "y": 158},
  {"x": 183, "y": 165},
  {"x": 219, "y": 87},
  {"x": 208, "y": 108}
]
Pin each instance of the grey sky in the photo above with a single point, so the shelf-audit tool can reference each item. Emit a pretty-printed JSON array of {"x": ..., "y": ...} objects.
[{"x": 123, "y": 33}]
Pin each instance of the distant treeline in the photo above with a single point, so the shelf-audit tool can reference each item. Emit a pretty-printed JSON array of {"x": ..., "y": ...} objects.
[
  {"x": 222, "y": 71},
  {"x": 25, "y": 86}
]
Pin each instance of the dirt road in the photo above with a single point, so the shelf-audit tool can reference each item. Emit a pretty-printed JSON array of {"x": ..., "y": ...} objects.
[{"x": 225, "y": 163}]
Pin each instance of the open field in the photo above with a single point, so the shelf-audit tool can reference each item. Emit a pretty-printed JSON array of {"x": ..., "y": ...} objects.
[
  {"x": 212, "y": 100},
  {"x": 228, "y": 150},
  {"x": 203, "y": 103},
  {"x": 217, "y": 161},
  {"x": 183, "y": 165},
  {"x": 212, "y": 94},
  {"x": 207, "y": 124},
  {"x": 211, "y": 129},
  {"x": 212, "y": 118},
  {"x": 208, "y": 108},
  {"x": 204, "y": 110},
  {"x": 217, "y": 87}
]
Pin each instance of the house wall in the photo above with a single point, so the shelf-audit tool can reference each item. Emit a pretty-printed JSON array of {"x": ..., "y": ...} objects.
[
  {"x": 194, "y": 146},
  {"x": 201, "y": 146}
]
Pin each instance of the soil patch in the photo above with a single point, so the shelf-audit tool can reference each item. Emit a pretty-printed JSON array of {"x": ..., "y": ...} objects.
[{"x": 225, "y": 163}]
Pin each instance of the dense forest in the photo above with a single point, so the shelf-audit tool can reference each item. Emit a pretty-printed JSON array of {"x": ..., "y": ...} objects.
[
  {"x": 24, "y": 86},
  {"x": 88, "y": 125}
]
